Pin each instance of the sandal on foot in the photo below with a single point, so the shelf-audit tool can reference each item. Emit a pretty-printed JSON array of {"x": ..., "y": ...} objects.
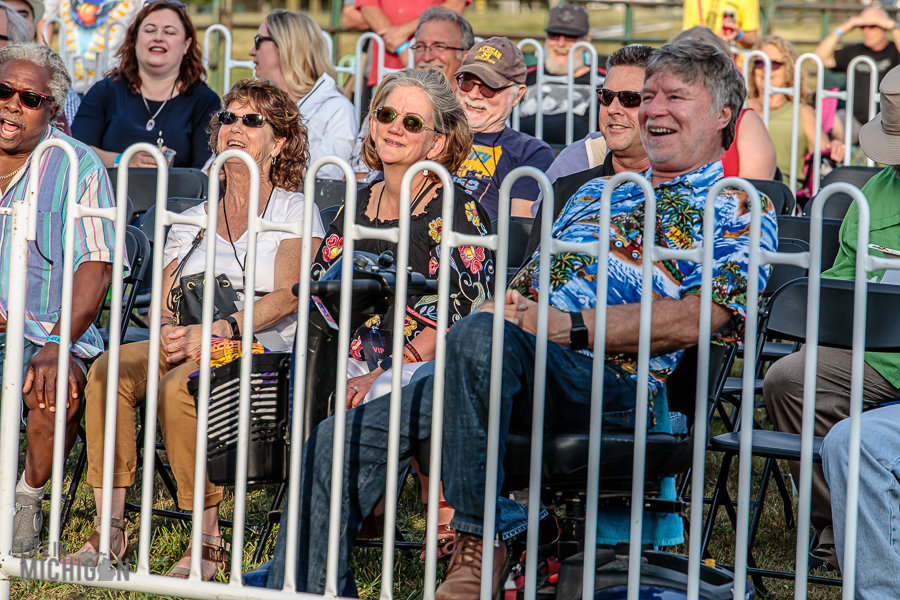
[
  {"x": 446, "y": 535},
  {"x": 90, "y": 559},
  {"x": 213, "y": 549}
]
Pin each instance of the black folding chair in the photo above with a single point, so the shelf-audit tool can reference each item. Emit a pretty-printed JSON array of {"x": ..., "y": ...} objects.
[
  {"x": 777, "y": 192},
  {"x": 183, "y": 183},
  {"x": 787, "y": 320},
  {"x": 838, "y": 204},
  {"x": 519, "y": 232},
  {"x": 329, "y": 192},
  {"x": 797, "y": 228},
  {"x": 148, "y": 221}
]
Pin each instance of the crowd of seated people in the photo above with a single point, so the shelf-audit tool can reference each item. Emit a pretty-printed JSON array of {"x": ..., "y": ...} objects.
[{"x": 674, "y": 114}]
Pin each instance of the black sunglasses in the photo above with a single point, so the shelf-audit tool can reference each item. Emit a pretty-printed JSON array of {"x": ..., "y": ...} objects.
[
  {"x": 626, "y": 99},
  {"x": 412, "y": 123},
  {"x": 255, "y": 121},
  {"x": 259, "y": 39},
  {"x": 760, "y": 64},
  {"x": 467, "y": 84},
  {"x": 29, "y": 98}
]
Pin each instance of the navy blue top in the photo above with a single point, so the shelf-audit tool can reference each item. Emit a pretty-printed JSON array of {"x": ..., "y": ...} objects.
[{"x": 112, "y": 118}]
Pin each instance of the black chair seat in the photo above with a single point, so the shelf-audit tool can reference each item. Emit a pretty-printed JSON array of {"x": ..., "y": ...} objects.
[
  {"x": 735, "y": 386},
  {"x": 768, "y": 444},
  {"x": 566, "y": 457}
]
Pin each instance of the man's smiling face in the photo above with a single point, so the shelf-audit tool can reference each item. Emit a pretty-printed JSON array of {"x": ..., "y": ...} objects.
[
  {"x": 619, "y": 124},
  {"x": 21, "y": 128}
]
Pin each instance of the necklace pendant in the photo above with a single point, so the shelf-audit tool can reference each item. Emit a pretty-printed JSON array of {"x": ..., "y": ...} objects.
[{"x": 151, "y": 124}]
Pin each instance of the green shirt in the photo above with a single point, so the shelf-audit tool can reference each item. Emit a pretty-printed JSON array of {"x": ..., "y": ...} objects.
[{"x": 883, "y": 193}]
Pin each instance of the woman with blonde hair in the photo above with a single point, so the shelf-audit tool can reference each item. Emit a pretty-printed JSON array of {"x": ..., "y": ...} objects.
[
  {"x": 783, "y": 56},
  {"x": 290, "y": 51}
]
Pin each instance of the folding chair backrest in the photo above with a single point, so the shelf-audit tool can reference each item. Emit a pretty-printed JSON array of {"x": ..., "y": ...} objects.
[
  {"x": 137, "y": 247},
  {"x": 329, "y": 193},
  {"x": 777, "y": 192},
  {"x": 148, "y": 222},
  {"x": 787, "y": 314},
  {"x": 519, "y": 232},
  {"x": 183, "y": 183},
  {"x": 681, "y": 386},
  {"x": 797, "y": 228},
  {"x": 838, "y": 204},
  {"x": 781, "y": 274}
]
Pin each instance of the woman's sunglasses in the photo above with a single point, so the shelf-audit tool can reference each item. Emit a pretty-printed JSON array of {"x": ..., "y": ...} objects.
[
  {"x": 30, "y": 99},
  {"x": 760, "y": 64},
  {"x": 229, "y": 118},
  {"x": 411, "y": 123},
  {"x": 467, "y": 84},
  {"x": 626, "y": 99},
  {"x": 259, "y": 39}
]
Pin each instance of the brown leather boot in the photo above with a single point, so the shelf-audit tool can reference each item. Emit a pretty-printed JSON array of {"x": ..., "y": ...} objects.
[{"x": 463, "y": 580}]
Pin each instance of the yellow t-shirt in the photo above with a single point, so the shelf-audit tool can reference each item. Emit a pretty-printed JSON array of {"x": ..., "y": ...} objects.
[{"x": 746, "y": 14}]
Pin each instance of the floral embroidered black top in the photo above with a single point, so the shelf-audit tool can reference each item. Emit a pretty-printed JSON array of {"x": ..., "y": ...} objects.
[{"x": 470, "y": 284}]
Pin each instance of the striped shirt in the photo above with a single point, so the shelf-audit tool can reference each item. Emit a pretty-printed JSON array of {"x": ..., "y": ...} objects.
[{"x": 94, "y": 238}]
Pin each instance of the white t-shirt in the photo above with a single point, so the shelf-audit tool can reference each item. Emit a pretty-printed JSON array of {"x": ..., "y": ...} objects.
[{"x": 284, "y": 207}]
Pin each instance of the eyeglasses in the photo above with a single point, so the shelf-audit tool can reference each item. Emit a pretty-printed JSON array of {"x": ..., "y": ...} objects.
[
  {"x": 255, "y": 121},
  {"x": 760, "y": 64},
  {"x": 412, "y": 123},
  {"x": 259, "y": 39},
  {"x": 626, "y": 99},
  {"x": 467, "y": 84},
  {"x": 29, "y": 98},
  {"x": 435, "y": 48},
  {"x": 174, "y": 3}
]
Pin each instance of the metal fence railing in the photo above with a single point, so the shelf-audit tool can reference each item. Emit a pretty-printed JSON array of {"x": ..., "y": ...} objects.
[{"x": 23, "y": 218}]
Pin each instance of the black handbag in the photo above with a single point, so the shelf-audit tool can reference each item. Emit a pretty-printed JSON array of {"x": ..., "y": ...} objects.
[{"x": 186, "y": 300}]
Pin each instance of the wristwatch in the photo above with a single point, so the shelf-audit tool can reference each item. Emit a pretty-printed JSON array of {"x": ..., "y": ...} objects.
[
  {"x": 578, "y": 335},
  {"x": 235, "y": 331}
]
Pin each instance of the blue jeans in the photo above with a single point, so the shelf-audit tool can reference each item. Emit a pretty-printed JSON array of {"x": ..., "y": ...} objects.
[
  {"x": 465, "y": 424},
  {"x": 878, "y": 532}
]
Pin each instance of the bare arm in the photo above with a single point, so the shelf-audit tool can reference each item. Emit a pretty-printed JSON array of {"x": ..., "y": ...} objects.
[
  {"x": 755, "y": 148},
  {"x": 825, "y": 49},
  {"x": 395, "y": 35},
  {"x": 674, "y": 325},
  {"x": 352, "y": 19}
]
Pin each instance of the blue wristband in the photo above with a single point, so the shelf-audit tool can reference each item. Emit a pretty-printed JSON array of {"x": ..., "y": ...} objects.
[
  {"x": 402, "y": 48},
  {"x": 55, "y": 339},
  {"x": 838, "y": 32},
  {"x": 118, "y": 158},
  {"x": 740, "y": 35}
]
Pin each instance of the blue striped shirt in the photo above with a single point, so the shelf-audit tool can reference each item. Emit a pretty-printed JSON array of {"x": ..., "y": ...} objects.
[{"x": 94, "y": 238}]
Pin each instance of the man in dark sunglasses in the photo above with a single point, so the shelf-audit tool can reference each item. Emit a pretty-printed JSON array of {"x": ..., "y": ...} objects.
[
  {"x": 881, "y": 43},
  {"x": 491, "y": 82},
  {"x": 615, "y": 148},
  {"x": 33, "y": 86}
]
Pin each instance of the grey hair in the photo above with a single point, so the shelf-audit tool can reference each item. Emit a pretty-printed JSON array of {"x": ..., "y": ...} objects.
[
  {"x": 693, "y": 60},
  {"x": 16, "y": 25},
  {"x": 439, "y": 13},
  {"x": 635, "y": 55},
  {"x": 42, "y": 56},
  {"x": 703, "y": 34}
]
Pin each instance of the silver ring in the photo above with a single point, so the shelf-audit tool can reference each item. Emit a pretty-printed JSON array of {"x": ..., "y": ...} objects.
[{"x": 354, "y": 388}]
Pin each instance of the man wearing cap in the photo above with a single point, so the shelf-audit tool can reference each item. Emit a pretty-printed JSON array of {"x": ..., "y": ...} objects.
[
  {"x": 684, "y": 139},
  {"x": 491, "y": 82},
  {"x": 568, "y": 24},
  {"x": 783, "y": 388}
]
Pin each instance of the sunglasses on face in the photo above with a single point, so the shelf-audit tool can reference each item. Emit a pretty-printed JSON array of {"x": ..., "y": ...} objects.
[
  {"x": 467, "y": 84},
  {"x": 28, "y": 98},
  {"x": 760, "y": 64},
  {"x": 259, "y": 39},
  {"x": 412, "y": 123},
  {"x": 626, "y": 99},
  {"x": 561, "y": 37},
  {"x": 253, "y": 120}
]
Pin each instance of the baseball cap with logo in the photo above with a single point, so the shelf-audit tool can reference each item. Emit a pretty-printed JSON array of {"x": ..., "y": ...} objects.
[
  {"x": 568, "y": 19},
  {"x": 497, "y": 62},
  {"x": 880, "y": 137}
]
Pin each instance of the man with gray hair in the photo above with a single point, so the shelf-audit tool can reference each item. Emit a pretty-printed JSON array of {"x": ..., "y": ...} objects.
[
  {"x": 691, "y": 97},
  {"x": 33, "y": 88},
  {"x": 443, "y": 39}
]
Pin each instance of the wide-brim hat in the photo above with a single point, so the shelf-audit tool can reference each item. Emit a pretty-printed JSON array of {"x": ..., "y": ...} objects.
[
  {"x": 497, "y": 62},
  {"x": 38, "y": 8},
  {"x": 880, "y": 137}
]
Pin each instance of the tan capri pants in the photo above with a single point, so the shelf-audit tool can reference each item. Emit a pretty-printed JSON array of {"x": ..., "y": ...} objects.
[{"x": 175, "y": 410}]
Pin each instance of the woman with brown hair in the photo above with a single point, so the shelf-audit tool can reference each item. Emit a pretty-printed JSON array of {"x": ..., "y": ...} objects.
[
  {"x": 155, "y": 95},
  {"x": 264, "y": 121}
]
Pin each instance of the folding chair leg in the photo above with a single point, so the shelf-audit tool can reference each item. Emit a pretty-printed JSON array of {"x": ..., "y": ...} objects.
[
  {"x": 760, "y": 501},
  {"x": 163, "y": 473},
  {"x": 77, "y": 474},
  {"x": 720, "y": 490},
  {"x": 267, "y": 530},
  {"x": 786, "y": 498}
]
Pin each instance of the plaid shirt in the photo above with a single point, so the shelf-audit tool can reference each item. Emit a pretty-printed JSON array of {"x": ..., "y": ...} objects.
[{"x": 94, "y": 238}]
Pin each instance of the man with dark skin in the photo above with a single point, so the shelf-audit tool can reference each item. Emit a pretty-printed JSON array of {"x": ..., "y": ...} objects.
[{"x": 37, "y": 72}]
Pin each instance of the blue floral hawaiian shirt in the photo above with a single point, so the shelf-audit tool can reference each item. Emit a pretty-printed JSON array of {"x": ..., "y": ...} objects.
[{"x": 679, "y": 208}]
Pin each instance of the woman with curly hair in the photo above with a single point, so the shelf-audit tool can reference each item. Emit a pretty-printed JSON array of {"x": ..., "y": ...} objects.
[
  {"x": 262, "y": 120},
  {"x": 783, "y": 56},
  {"x": 155, "y": 95}
]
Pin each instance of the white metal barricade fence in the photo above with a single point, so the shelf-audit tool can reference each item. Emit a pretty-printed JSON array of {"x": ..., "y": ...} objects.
[
  {"x": 539, "y": 91},
  {"x": 24, "y": 220},
  {"x": 848, "y": 97},
  {"x": 226, "y": 63},
  {"x": 380, "y": 73}
]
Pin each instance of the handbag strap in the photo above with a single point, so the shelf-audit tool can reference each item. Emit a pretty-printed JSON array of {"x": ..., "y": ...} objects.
[{"x": 177, "y": 277}]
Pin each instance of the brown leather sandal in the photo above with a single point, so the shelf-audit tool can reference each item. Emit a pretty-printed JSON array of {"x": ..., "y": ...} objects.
[
  {"x": 214, "y": 549},
  {"x": 445, "y": 534},
  {"x": 90, "y": 559}
]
